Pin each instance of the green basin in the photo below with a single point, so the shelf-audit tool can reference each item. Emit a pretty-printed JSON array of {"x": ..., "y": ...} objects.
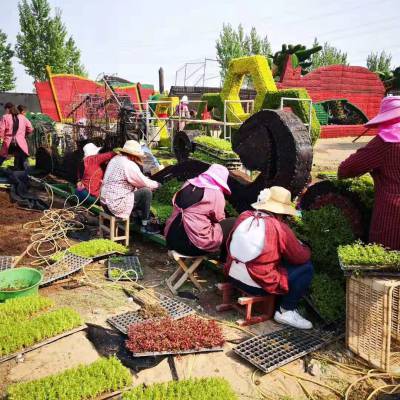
[{"x": 19, "y": 282}]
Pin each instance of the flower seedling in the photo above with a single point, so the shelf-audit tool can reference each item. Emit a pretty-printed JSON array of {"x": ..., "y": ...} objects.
[{"x": 189, "y": 333}]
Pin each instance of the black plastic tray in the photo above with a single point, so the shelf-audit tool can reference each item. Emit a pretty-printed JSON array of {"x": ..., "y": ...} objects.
[
  {"x": 176, "y": 310},
  {"x": 6, "y": 262},
  {"x": 177, "y": 352},
  {"x": 126, "y": 264},
  {"x": 273, "y": 350},
  {"x": 68, "y": 265}
]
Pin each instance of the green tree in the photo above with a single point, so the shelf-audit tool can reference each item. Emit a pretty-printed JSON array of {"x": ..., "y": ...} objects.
[
  {"x": 7, "y": 78},
  {"x": 329, "y": 55},
  {"x": 379, "y": 62},
  {"x": 43, "y": 41},
  {"x": 235, "y": 43}
]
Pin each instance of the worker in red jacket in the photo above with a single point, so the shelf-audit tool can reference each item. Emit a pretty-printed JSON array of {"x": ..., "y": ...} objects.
[
  {"x": 264, "y": 256},
  {"x": 381, "y": 157},
  {"x": 93, "y": 172}
]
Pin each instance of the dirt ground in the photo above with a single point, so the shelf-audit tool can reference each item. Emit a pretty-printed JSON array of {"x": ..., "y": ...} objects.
[{"x": 96, "y": 299}]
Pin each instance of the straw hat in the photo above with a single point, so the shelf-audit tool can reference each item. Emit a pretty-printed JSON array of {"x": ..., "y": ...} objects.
[
  {"x": 390, "y": 109},
  {"x": 184, "y": 100},
  {"x": 275, "y": 199},
  {"x": 133, "y": 148},
  {"x": 90, "y": 149}
]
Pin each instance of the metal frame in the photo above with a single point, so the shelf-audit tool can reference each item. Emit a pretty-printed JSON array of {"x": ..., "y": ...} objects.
[
  {"x": 288, "y": 99},
  {"x": 228, "y": 125}
]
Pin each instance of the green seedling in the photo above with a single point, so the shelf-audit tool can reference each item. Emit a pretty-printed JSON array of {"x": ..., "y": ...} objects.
[
  {"x": 193, "y": 389},
  {"x": 81, "y": 383}
]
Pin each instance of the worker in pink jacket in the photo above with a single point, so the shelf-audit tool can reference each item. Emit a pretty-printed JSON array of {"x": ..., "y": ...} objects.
[{"x": 13, "y": 130}]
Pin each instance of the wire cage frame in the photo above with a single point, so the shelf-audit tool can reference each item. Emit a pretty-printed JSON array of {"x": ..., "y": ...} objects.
[{"x": 373, "y": 320}]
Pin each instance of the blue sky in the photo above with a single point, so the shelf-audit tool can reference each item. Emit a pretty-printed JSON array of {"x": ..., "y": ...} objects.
[{"x": 134, "y": 38}]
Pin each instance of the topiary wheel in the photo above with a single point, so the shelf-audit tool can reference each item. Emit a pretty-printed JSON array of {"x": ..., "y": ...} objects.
[
  {"x": 277, "y": 144},
  {"x": 326, "y": 193},
  {"x": 183, "y": 143}
]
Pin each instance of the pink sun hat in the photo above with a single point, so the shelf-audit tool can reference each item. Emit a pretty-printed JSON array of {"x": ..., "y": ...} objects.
[
  {"x": 390, "y": 109},
  {"x": 216, "y": 177}
]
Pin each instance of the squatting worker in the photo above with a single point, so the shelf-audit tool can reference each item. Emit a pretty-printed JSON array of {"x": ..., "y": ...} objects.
[
  {"x": 197, "y": 225},
  {"x": 264, "y": 256},
  {"x": 125, "y": 188},
  {"x": 381, "y": 157},
  {"x": 13, "y": 130},
  {"x": 92, "y": 173}
]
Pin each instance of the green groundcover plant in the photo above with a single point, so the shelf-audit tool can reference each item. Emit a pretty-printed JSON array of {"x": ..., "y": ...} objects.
[
  {"x": 324, "y": 230},
  {"x": 23, "y": 307},
  {"x": 80, "y": 383},
  {"x": 96, "y": 247},
  {"x": 371, "y": 254},
  {"x": 17, "y": 334},
  {"x": 328, "y": 296},
  {"x": 216, "y": 143},
  {"x": 191, "y": 389}
]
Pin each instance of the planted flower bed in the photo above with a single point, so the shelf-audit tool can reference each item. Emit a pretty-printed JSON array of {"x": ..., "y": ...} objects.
[
  {"x": 191, "y": 389},
  {"x": 168, "y": 336},
  {"x": 359, "y": 256},
  {"x": 27, "y": 321},
  {"x": 83, "y": 382}
]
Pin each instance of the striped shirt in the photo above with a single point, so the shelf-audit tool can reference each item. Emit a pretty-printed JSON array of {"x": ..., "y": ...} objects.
[{"x": 382, "y": 160}]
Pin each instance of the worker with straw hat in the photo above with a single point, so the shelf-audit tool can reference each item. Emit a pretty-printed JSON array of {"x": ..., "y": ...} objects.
[
  {"x": 381, "y": 158},
  {"x": 264, "y": 256},
  {"x": 125, "y": 188}
]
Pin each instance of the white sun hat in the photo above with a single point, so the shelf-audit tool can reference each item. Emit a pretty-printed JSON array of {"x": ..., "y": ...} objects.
[
  {"x": 184, "y": 100},
  {"x": 275, "y": 199},
  {"x": 133, "y": 147},
  {"x": 90, "y": 149}
]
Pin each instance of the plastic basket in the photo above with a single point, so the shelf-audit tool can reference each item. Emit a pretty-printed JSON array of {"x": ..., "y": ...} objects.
[
  {"x": 27, "y": 279},
  {"x": 373, "y": 321}
]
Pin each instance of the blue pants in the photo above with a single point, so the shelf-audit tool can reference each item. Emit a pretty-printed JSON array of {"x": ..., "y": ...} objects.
[
  {"x": 300, "y": 277},
  {"x": 83, "y": 195}
]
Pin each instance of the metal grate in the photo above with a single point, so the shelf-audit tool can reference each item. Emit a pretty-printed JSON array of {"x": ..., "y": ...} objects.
[
  {"x": 272, "y": 350},
  {"x": 125, "y": 267},
  {"x": 175, "y": 309},
  {"x": 6, "y": 262},
  {"x": 68, "y": 265},
  {"x": 177, "y": 352}
]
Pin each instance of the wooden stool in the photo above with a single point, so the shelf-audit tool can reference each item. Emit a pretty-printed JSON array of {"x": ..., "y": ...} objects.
[
  {"x": 116, "y": 229},
  {"x": 264, "y": 305},
  {"x": 184, "y": 271}
]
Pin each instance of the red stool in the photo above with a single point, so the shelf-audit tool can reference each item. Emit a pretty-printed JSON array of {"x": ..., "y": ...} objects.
[{"x": 263, "y": 305}]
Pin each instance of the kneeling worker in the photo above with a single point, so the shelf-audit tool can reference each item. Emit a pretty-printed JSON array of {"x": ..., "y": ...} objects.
[
  {"x": 264, "y": 256},
  {"x": 125, "y": 188}
]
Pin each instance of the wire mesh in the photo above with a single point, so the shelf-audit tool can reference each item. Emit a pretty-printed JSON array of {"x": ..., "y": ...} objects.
[
  {"x": 68, "y": 265},
  {"x": 6, "y": 262},
  {"x": 272, "y": 350},
  {"x": 174, "y": 308},
  {"x": 125, "y": 268}
]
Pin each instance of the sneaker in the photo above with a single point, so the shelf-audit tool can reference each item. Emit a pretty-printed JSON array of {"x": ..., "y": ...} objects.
[
  {"x": 292, "y": 318},
  {"x": 150, "y": 229}
]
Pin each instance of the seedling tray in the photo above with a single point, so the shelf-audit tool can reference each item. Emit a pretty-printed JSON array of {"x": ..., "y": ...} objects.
[
  {"x": 175, "y": 309},
  {"x": 105, "y": 255},
  {"x": 68, "y": 265},
  {"x": 369, "y": 270},
  {"x": 177, "y": 352},
  {"x": 6, "y": 262},
  {"x": 272, "y": 350},
  {"x": 41, "y": 344},
  {"x": 125, "y": 265}
]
